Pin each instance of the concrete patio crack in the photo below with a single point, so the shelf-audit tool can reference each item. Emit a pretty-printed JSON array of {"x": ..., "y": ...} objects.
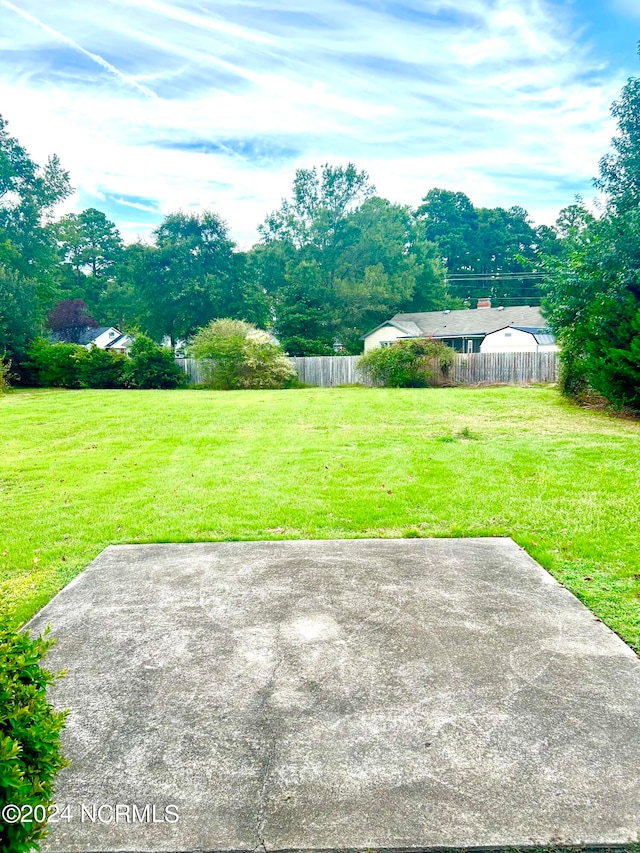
[{"x": 271, "y": 741}]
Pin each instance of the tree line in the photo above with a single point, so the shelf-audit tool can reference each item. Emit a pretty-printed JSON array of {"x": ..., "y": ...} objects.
[{"x": 333, "y": 261}]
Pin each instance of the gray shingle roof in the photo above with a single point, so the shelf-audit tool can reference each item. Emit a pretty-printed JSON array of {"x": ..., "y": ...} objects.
[
  {"x": 78, "y": 334},
  {"x": 471, "y": 321},
  {"x": 408, "y": 327},
  {"x": 90, "y": 334}
]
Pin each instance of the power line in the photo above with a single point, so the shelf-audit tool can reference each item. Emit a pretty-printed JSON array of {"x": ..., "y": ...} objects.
[{"x": 507, "y": 276}]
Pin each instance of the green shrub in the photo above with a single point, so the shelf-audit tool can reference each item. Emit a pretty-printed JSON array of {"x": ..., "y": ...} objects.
[
  {"x": 30, "y": 755},
  {"x": 613, "y": 365},
  {"x": 415, "y": 363},
  {"x": 55, "y": 365},
  {"x": 99, "y": 368},
  {"x": 237, "y": 355},
  {"x": 152, "y": 366},
  {"x": 75, "y": 366},
  {"x": 572, "y": 374}
]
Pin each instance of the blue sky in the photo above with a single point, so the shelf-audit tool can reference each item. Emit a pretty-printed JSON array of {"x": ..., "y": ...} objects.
[{"x": 160, "y": 105}]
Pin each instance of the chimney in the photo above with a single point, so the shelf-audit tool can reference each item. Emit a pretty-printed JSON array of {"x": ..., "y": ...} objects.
[{"x": 484, "y": 303}]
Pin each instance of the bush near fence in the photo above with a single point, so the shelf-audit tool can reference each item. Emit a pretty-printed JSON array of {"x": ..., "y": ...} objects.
[{"x": 499, "y": 368}]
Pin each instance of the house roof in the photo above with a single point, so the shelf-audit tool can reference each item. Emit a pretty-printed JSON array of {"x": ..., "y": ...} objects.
[
  {"x": 408, "y": 328},
  {"x": 120, "y": 341},
  {"x": 544, "y": 338},
  {"x": 468, "y": 322},
  {"x": 541, "y": 336},
  {"x": 81, "y": 335},
  {"x": 92, "y": 334}
]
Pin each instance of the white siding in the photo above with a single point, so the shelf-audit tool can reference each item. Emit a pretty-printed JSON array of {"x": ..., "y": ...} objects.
[
  {"x": 102, "y": 340},
  {"x": 509, "y": 340},
  {"x": 387, "y": 334},
  {"x": 123, "y": 345}
]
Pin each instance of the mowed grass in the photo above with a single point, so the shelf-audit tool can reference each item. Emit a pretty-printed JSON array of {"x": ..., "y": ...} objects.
[{"x": 80, "y": 470}]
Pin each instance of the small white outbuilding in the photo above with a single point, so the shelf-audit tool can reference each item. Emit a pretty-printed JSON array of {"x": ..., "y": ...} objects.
[{"x": 519, "y": 339}]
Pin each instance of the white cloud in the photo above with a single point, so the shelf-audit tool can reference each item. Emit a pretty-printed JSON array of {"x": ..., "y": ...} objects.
[
  {"x": 94, "y": 57},
  {"x": 503, "y": 101}
]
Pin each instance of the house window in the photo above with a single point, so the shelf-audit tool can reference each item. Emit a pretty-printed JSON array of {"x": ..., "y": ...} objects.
[
  {"x": 469, "y": 346},
  {"x": 507, "y": 334},
  {"x": 112, "y": 334}
]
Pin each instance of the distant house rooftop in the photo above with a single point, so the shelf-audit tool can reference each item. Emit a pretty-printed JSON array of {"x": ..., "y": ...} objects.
[
  {"x": 79, "y": 334},
  {"x": 467, "y": 322},
  {"x": 466, "y": 330},
  {"x": 104, "y": 337}
]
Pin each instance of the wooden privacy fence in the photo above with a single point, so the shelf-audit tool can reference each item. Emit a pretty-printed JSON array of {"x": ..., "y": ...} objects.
[
  {"x": 505, "y": 368},
  {"x": 329, "y": 370},
  {"x": 494, "y": 368},
  {"x": 193, "y": 367}
]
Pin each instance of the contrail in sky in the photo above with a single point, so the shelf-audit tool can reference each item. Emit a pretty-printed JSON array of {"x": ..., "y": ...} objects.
[{"x": 93, "y": 56}]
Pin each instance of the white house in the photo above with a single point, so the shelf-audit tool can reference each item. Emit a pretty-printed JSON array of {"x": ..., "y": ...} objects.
[
  {"x": 108, "y": 337},
  {"x": 466, "y": 330},
  {"x": 395, "y": 329},
  {"x": 121, "y": 344},
  {"x": 103, "y": 337}
]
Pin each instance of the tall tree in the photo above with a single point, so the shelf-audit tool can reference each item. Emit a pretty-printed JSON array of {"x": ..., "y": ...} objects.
[
  {"x": 547, "y": 242},
  {"x": 385, "y": 266},
  {"x": 313, "y": 221},
  {"x": 620, "y": 168},
  {"x": 572, "y": 222},
  {"x": 487, "y": 251},
  {"x": 320, "y": 202},
  {"x": 304, "y": 325},
  {"x": 90, "y": 248},
  {"x": 593, "y": 305},
  {"x": 593, "y": 301},
  {"x": 123, "y": 302},
  {"x": 431, "y": 292},
  {"x": 338, "y": 260},
  {"x": 188, "y": 273},
  {"x": 20, "y": 314},
  {"x": 451, "y": 221},
  {"x": 66, "y": 233},
  {"x": 25, "y": 187},
  {"x": 189, "y": 276},
  {"x": 28, "y": 194},
  {"x": 89, "y": 242}
]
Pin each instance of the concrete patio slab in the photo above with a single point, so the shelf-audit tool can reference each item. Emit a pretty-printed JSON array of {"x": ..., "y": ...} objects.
[{"x": 339, "y": 695}]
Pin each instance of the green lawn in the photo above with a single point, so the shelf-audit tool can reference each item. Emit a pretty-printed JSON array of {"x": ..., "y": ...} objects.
[{"x": 83, "y": 469}]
